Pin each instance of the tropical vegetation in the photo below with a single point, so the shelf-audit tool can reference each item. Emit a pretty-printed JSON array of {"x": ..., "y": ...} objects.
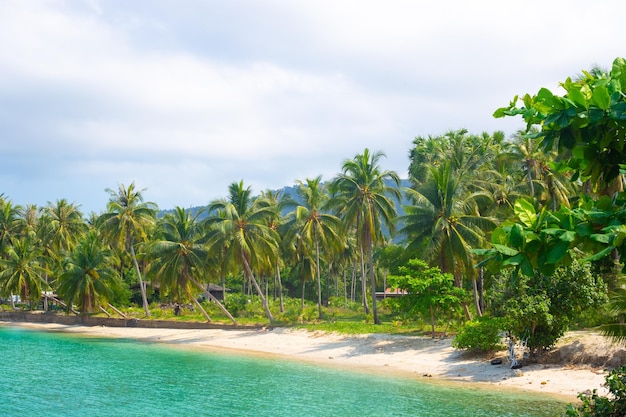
[{"x": 489, "y": 235}]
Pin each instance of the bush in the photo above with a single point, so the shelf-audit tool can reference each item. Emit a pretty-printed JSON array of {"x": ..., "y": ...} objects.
[
  {"x": 595, "y": 405},
  {"x": 481, "y": 334},
  {"x": 540, "y": 308}
]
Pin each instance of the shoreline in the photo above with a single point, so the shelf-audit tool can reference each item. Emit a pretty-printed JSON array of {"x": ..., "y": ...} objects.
[{"x": 419, "y": 358}]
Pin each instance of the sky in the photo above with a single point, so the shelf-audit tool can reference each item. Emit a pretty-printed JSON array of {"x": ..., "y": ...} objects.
[{"x": 186, "y": 97}]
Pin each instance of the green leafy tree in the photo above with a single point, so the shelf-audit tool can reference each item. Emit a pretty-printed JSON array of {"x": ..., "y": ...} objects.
[
  {"x": 539, "y": 308},
  {"x": 586, "y": 125},
  {"x": 127, "y": 221},
  {"x": 88, "y": 279},
  {"x": 429, "y": 292},
  {"x": 179, "y": 257},
  {"x": 533, "y": 241},
  {"x": 363, "y": 199}
]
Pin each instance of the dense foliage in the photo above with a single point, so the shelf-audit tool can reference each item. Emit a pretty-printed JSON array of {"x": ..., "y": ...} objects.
[
  {"x": 540, "y": 308},
  {"x": 494, "y": 231},
  {"x": 429, "y": 293}
]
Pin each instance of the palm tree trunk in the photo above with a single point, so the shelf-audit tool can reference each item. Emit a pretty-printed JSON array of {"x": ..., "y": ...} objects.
[
  {"x": 215, "y": 300},
  {"x": 112, "y": 307},
  {"x": 197, "y": 303},
  {"x": 246, "y": 266},
  {"x": 373, "y": 284},
  {"x": 45, "y": 299},
  {"x": 353, "y": 283},
  {"x": 280, "y": 288},
  {"x": 345, "y": 288},
  {"x": 476, "y": 300},
  {"x": 481, "y": 283},
  {"x": 432, "y": 321},
  {"x": 317, "y": 272},
  {"x": 141, "y": 283},
  {"x": 458, "y": 282},
  {"x": 364, "y": 284},
  {"x": 104, "y": 311}
]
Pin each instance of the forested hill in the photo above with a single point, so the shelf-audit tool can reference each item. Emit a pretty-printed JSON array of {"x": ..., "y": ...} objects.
[{"x": 290, "y": 191}]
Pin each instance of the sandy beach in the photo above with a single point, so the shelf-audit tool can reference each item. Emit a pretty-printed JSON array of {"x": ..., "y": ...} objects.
[{"x": 414, "y": 357}]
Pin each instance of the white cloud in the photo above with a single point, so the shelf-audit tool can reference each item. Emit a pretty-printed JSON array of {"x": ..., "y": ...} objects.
[{"x": 185, "y": 98}]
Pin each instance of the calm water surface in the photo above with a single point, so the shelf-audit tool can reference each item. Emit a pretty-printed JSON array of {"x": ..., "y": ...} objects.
[{"x": 51, "y": 374}]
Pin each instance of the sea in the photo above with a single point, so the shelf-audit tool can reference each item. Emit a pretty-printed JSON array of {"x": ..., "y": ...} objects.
[{"x": 58, "y": 374}]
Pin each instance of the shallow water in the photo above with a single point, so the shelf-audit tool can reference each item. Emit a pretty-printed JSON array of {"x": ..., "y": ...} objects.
[{"x": 52, "y": 374}]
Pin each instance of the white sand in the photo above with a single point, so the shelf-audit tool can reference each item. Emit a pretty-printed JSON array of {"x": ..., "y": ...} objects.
[{"x": 415, "y": 357}]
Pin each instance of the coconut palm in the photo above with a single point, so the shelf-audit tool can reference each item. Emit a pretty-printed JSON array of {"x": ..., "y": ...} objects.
[
  {"x": 29, "y": 219},
  {"x": 445, "y": 223},
  {"x": 312, "y": 226},
  {"x": 126, "y": 222},
  {"x": 362, "y": 197},
  {"x": 10, "y": 223},
  {"x": 179, "y": 257},
  {"x": 21, "y": 271},
  {"x": 67, "y": 224},
  {"x": 278, "y": 202},
  {"x": 545, "y": 183},
  {"x": 88, "y": 280},
  {"x": 240, "y": 235}
]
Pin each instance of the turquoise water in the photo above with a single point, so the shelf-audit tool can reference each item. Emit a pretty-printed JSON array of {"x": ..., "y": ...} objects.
[{"x": 51, "y": 374}]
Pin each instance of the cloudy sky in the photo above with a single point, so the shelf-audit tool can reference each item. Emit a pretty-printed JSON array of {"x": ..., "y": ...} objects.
[{"x": 186, "y": 97}]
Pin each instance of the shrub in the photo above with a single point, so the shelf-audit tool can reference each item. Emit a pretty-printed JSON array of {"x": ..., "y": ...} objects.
[
  {"x": 481, "y": 334},
  {"x": 595, "y": 405}
]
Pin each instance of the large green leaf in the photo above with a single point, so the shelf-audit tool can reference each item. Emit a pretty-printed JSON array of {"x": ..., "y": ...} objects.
[
  {"x": 619, "y": 71},
  {"x": 597, "y": 256},
  {"x": 525, "y": 211},
  {"x": 576, "y": 96},
  {"x": 515, "y": 260},
  {"x": 600, "y": 97},
  {"x": 527, "y": 268},
  {"x": 568, "y": 236},
  {"x": 601, "y": 238},
  {"x": 584, "y": 229},
  {"x": 505, "y": 250},
  {"x": 552, "y": 231},
  {"x": 517, "y": 236},
  {"x": 557, "y": 252},
  {"x": 545, "y": 97},
  {"x": 499, "y": 236}
]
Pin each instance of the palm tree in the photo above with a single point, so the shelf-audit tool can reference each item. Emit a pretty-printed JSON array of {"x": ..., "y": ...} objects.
[
  {"x": 179, "y": 256},
  {"x": 363, "y": 199},
  {"x": 126, "y": 221},
  {"x": 444, "y": 222},
  {"x": 88, "y": 279},
  {"x": 10, "y": 223},
  {"x": 67, "y": 224},
  {"x": 239, "y": 233},
  {"x": 313, "y": 226},
  {"x": 278, "y": 202},
  {"x": 21, "y": 271},
  {"x": 29, "y": 219}
]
